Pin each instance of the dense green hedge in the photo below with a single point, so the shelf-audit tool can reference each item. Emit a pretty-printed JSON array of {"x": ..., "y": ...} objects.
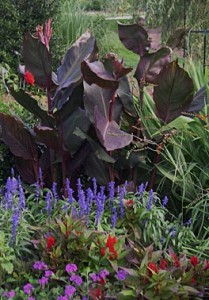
[{"x": 18, "y": 16}]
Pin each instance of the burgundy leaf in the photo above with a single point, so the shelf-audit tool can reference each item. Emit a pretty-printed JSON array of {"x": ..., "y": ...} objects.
[
  {"x": 95, "y": 72},
  {"x": 134, "y": 37},
  {"x": 37, "y": 60},
  {"x": 109, "y": 133},
  {"x": 26, "y": 169},
  {"x": 96, "y": 96},
  {"x": 69, "y": 73},
  {"x": 17, "y": 137},
  {"x": 47, "y": 136},
  {"x": 174, "y": 92},
  {"x": 155, "y": 37},
  {"x": 151, "y": 64}
]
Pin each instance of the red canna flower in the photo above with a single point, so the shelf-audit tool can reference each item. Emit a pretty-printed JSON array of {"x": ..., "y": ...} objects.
[
  {"x": 194, "y": 260},
  {"x": 152, "y": 268},
  {"x": 163, "y": 264},
  {"x": 29, "y": 78},
  {"x": 50, "y": 243}
]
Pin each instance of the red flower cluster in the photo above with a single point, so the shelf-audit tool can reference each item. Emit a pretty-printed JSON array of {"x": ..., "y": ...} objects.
[
  {"x": 163, "y": 264},
  {"x": 152, "y": 268},
  {"x": 194, "y": 260},
  {"x": 110, "y": 244},
  {"x": 176, "y": 262},
  {"x": 29, "y": 78},
  {"x": 50, "y": 243}
]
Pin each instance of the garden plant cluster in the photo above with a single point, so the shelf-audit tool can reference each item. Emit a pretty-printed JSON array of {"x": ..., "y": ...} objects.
[{"x": 80, "y": 216}]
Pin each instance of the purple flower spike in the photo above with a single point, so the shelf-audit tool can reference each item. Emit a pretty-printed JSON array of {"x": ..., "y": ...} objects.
[
  {"x": 70, "y": 268},
  {"x": 150, "y": 200},
  {"x": 15, "y": 223},
  {"x": 165, "y": 201}
]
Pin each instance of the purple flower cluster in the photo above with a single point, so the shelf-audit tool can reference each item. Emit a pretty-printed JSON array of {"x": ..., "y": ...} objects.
[
  {"x": 101, "y": 276},
  {"x": 40, "y": 265}
]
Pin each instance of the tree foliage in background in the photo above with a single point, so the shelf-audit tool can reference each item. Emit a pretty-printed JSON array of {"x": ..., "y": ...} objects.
[{"x": 17, "y": 16}]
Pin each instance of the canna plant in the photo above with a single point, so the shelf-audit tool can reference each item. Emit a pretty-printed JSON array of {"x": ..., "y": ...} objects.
[{"x": 90, "y": 122}]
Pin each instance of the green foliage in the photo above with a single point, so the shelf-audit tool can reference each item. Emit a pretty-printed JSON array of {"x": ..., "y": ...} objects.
[{"x": 16, "y": 18}]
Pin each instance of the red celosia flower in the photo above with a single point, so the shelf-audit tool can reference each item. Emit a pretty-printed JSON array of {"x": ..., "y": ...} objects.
[
  {"x": 194, "y": 260},
  {"x": 175, "y": 260},
  {"x": 102, "y": 251},
  {"x": 50, "y": 243},
  {"x": 96, "y": 293},
  {"x": 29, "y": 78},
  {"x": 152, "y": 268},
  {"x": 193, "y": 281},
  {"x": 163, "y": 264},
  {"x": 111, "y": 241}
]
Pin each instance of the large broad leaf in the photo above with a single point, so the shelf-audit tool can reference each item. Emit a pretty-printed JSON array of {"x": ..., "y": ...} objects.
[
  {"x": 134, "y": 37},
  {"x": 69, "y": 73},
  {"x": 26, "y": 169},
  {"x": 95, "y": 72},
  {"x": 32, "y": 106},
  {"x": 126, "y": 97},
  {"x": 77, "y": 119},
  {"x": 176, "y": 38},
  {"x": 151, "y": 64},
  {"x": 199, "y": 101},
  {"x": 75, "y": 101},
  {"x": 17, "y": 137},
  {"x": 109, "y": 133},
  {"x": 174, "y": 92},
  {"x": 96, "y": 96},
  {"x": 97, "y": 168},
  {"x": 98, "y": 150},
  {"x": 47, "y": 136},
  {"x": 37, "y": 60}
]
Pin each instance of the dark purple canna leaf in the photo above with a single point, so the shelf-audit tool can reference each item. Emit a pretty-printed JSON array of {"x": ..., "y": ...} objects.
[
  {"x": 75, "y": 101},
  {"x": 155, "y": 37},
  {"x": 96, "y": 96},
  {"x": 97, "y": 168},
  {"x": 199, "y": 101},
  {"x": 47, "y": 136},
  {"x": 17, "y": 137},
  {"x": 151, "y": 64},
  {"x": 109, "y": 133},
  {"x": 26, "y": 169},
  {"x": 126, "y": 97},
  {"x": 174, "y": 92},
  {"x": 134, "y": 37},
  {"x": 95, "y": 72},
  {"x": 77, "y": 119},
  {"x": 69, "y": 73},
  {"x": 176, "y": 39},
  {"x": 38, "y": 61},
  {"x": 97, "y": 149}
]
